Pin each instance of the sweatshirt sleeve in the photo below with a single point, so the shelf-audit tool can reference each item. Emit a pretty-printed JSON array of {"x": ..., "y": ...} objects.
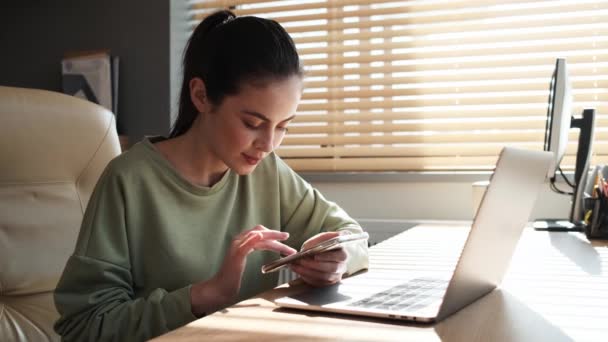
[
  {"x": 305, "y": 213},
  {"x": 95, "y": 296}
]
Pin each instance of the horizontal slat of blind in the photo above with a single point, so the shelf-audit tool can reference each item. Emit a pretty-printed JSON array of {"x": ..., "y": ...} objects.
[
  {"x": 493, "y": 86},
  {"x": 435, "y": 16},
  {"x": 421, "y": 150},
  {"x": 442, "y": 16},
  {"x": 451, "y": 125},
  {"x": 461, "y": 56},
  {"x": 297, "y": 5},
  {"x": 279, "y": 6},
  {"x": 436, "y": 70},
  {"x": 393, "y": 127},
  {"x": 538, "y": 16},
  {"x": 433, "y": 100},
  {"x": 425, "y": 25},
  {"x": 434, "y": 113},
  {"x": 434, "y": 85},
  {"x": 451, "y": 163},
  {"x": 505, "y": 137},
  {"x": 573, "y": 29},
  {"x": 528, "y": 44},
  {"x": 461, "y": 27}
]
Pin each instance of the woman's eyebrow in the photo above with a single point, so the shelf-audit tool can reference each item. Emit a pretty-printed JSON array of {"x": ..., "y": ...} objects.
[{"x": 262, "y": 116}]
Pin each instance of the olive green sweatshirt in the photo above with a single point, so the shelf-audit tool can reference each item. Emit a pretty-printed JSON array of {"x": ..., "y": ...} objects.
[{"x": 148, "y": 235}]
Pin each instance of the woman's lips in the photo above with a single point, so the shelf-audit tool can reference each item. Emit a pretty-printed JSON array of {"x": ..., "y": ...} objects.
[{"x": 251, "y": 160}]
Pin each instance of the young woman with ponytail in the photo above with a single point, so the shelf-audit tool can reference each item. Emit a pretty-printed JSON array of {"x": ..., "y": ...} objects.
[{"x": 178, "y": 227}]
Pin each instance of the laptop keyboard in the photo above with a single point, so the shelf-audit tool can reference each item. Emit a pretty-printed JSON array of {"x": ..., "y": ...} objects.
[{"x": 415, "y": 294}]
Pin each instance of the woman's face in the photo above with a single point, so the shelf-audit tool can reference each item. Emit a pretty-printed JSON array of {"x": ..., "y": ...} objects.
[{"x": 246, "y": 127}]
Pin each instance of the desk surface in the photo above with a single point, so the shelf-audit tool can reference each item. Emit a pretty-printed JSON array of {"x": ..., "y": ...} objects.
[{"x": 556, "y": 289}]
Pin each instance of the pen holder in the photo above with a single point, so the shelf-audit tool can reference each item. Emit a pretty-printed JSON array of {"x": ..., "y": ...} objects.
[{"x": 597, "y": 217}]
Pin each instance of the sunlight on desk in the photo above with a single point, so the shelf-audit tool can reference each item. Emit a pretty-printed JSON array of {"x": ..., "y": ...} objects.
[
  {"x": 257, "y": 321},
  {"x": 558, "y": 276},
  {"x": 555, "y": 290}
]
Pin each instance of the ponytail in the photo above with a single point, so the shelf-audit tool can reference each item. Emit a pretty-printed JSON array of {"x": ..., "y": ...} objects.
[{"x": 187, "y": 112}]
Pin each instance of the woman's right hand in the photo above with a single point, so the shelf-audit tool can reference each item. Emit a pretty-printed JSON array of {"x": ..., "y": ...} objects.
[{"x": 211, "y": 295}]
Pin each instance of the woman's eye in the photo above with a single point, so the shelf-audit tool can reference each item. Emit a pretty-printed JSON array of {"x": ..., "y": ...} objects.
[
  {"x": 249, "y": 125},
  {"x": 253, "y": 126}
]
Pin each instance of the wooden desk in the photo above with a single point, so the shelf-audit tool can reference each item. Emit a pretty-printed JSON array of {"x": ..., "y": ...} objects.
[{"x": 556, "y": 290}]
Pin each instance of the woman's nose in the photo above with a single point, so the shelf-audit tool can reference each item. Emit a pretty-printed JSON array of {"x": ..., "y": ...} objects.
[{"x": 264, "y": 141}]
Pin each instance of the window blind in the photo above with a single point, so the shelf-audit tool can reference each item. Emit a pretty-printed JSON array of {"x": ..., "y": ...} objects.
[{"x": 437, "y": 85}]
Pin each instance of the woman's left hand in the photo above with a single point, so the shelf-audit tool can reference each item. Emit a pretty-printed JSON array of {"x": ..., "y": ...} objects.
[{"x": 321, "y": 269}]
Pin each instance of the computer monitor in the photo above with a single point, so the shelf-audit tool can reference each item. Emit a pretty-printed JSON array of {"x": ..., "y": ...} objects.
[
  {"x": 559, "y": 122},
  {"x": 558, "y": 115}
]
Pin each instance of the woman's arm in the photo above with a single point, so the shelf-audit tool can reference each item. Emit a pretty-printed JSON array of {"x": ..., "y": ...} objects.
[
  {"x": 309, "y": 218},
  {"x": 95, "y": 296},
  {"x": 97, "y": 302}
]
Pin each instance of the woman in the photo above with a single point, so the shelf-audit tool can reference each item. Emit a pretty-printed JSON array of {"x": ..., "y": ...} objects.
[{"x": 178, "y": 228}]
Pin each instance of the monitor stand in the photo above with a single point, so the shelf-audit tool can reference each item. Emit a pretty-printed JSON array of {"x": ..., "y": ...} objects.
[
  {"x": 576, "y": 223},
  {"x": 558, "y": 225}
]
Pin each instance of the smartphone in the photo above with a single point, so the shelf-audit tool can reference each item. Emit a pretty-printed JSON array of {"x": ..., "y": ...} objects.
[{"x": 322, "y": 246}]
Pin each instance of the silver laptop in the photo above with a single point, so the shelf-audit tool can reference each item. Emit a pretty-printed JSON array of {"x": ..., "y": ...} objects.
[{"x": 431, "y": 286}]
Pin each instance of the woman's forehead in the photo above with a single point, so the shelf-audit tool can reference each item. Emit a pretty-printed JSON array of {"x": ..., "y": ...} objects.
[{"x": 276, "y": 101}]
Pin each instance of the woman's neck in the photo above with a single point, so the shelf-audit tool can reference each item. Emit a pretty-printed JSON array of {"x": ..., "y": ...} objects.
[{"x": 191, "y": 157}]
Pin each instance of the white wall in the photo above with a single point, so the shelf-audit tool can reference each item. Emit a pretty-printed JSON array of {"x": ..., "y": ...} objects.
[{"x": 420, "y": 200}]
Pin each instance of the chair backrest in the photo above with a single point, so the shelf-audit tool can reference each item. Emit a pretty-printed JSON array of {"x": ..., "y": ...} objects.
[{"x": 53, "y": 148}]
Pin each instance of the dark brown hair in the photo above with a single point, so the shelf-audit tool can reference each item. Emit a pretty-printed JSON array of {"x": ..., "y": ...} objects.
[{"x": 226, "y": 51}]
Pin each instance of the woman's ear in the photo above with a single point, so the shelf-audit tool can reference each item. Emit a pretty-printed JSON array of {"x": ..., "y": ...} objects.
[{"x": 198, "y": 95}]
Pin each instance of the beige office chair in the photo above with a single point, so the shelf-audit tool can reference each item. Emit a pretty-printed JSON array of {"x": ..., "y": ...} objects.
[{"x": 53, "y": 148}]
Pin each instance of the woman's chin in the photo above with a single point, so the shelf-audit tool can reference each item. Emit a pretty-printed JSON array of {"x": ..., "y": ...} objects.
[{"x": 243, "y": 170}]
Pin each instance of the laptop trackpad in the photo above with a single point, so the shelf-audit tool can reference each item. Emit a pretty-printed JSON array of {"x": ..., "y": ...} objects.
[{"x": 321, "y": 296}]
